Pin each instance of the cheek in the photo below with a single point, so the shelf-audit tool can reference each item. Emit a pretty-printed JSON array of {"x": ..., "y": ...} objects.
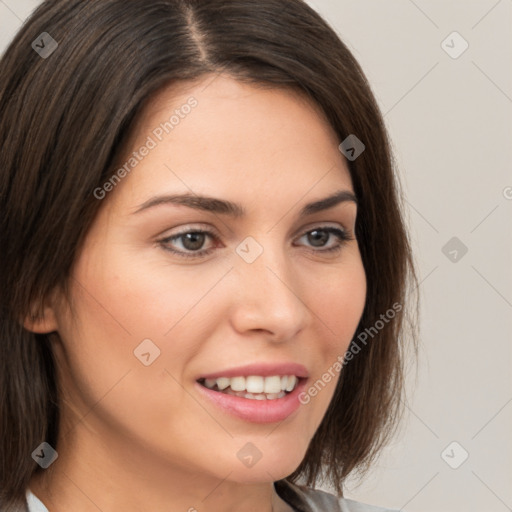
[
  {"x": 120, "y": 304},
  {"x": 143, "y": 297},
  {"x": 338, "y": 301},
  {"x": 115, "y": 309}
]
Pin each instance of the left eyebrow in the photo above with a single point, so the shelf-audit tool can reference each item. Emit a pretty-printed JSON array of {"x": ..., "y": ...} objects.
[
  {"x": 224, "y": 207},
  {"x": 341, "y": 196}
]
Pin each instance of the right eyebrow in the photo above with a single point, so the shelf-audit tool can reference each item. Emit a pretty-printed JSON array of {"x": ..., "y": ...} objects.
[{"x": 224, "y": 207}]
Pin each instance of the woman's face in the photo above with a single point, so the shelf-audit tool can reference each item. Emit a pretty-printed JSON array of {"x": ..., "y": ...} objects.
[{"x": 155, "y": 310}]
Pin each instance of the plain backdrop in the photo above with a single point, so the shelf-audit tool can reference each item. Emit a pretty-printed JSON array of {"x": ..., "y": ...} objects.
[{"x": 449, "y": 113}]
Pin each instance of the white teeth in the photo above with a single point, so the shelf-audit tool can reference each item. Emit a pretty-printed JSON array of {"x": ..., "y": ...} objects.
[
  {"x": 258, "y": 396},
  {"x": 292, "y": 381},
  {"x": 255, "y": 385},
  {"x": 209, "y": 383},
  {"x": 222, "y": 382},
  {"x": 272, "y": 384},
  {"x": 238, "y": 383}
]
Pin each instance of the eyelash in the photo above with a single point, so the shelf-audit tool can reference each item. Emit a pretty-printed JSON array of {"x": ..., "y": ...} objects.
[{"x": 343, "y": 236}]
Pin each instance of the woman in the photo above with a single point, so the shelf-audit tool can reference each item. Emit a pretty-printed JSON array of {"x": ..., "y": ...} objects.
[{"x": 204, "y": 260}]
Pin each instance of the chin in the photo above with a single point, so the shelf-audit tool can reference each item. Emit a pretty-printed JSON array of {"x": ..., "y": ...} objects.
[{"x": 274, "y": 466}]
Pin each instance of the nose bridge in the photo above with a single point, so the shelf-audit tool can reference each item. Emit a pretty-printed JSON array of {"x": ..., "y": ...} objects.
[{"x": 267, "y": 291}]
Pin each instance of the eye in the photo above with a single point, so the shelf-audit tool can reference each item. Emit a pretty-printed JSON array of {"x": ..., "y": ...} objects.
[
  {"x": 192, "y": 241},
  {"x": 319, "y": 236}
]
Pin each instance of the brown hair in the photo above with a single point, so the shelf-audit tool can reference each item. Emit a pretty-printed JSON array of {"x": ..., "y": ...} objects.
[{"x": 63, "y": 122}]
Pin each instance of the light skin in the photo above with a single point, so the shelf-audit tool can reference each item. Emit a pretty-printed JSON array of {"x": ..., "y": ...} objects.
[{"x": 137, "y": 438}]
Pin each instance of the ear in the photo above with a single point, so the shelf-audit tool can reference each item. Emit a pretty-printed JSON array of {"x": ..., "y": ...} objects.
[{"x": 42, "y": 320}]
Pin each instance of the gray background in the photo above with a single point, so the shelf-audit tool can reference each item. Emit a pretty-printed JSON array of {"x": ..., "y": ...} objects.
[{"x": 450, "y": 121}]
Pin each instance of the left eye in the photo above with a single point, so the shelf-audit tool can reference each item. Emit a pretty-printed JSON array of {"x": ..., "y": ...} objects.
[
  {"x": 320, "y": 235},
  {"x": 193, "y": 240}
]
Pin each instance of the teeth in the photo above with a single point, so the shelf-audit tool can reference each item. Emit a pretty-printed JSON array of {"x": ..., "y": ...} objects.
[
  {"x": 238, "y": 384},
  {"x": 292, "y": 381},
  {"x": 223, "y": 382},
  {"x": 255, "y": 385},
  {"x": 209, "y": 383},
  {"x": 258, "y": 396},
  {"x": 272, "y": 384}
]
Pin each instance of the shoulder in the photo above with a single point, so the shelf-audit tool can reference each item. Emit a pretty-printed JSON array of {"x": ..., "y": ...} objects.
[
  {"x": 304, "y": 499},
  {"x": 34, "y": 503}
]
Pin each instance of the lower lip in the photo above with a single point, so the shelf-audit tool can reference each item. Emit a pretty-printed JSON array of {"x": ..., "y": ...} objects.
[{"x": 256, "y": 411}]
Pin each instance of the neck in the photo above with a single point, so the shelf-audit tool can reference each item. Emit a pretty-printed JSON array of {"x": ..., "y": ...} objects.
[{"x": 113, "y": 478}]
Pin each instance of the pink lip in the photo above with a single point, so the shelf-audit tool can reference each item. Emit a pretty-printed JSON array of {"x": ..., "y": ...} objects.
[
  {"x": 256, "y": 411},
  {"x": 262, "y": 369}
]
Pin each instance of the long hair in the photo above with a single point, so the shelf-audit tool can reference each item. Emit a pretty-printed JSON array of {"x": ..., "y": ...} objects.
[{"x": 64, "y": 118}]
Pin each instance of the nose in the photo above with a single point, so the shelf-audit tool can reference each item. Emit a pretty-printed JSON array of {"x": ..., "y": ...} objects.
[{"x": 267, "y": 296}]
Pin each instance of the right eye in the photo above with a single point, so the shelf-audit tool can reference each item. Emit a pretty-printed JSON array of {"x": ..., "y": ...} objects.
[{"x": 191, "y": 241}]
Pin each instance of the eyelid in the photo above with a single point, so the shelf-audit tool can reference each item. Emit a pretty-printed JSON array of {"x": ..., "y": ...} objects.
[
  {"x": 189, "y": 228},
  {"x": 340, "y": 232},
  {"x": 325, "y": 225},
  {"x": 208, "y": 229}
]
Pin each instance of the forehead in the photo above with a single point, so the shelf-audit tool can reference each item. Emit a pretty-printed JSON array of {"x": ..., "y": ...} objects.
[{"x": 241, "y": 137}]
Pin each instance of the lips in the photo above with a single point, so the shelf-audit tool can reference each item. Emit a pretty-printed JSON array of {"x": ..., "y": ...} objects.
[
  {"x": 261, "y": 369},
  {"x": 255, "y": 397},
  {"x": 252, "y": 384},
  {"x": 255, "y": 410}
]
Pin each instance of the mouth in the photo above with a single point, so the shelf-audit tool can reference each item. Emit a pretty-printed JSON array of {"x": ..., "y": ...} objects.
[
  {"x": 254, "y": 398},
  {"x": 253, "y": 387}
]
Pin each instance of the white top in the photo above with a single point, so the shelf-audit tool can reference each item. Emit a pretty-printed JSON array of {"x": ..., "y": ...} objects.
[
  {"x": 34, "y": 504},
  {"x": 302, "y": 499}
]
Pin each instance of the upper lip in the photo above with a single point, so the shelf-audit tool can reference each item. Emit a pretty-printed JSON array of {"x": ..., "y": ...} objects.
[{"x": 260, "y": 369}]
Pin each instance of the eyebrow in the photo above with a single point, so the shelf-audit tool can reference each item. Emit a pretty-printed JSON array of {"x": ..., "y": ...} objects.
[{"x": 224, "y": 207}]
